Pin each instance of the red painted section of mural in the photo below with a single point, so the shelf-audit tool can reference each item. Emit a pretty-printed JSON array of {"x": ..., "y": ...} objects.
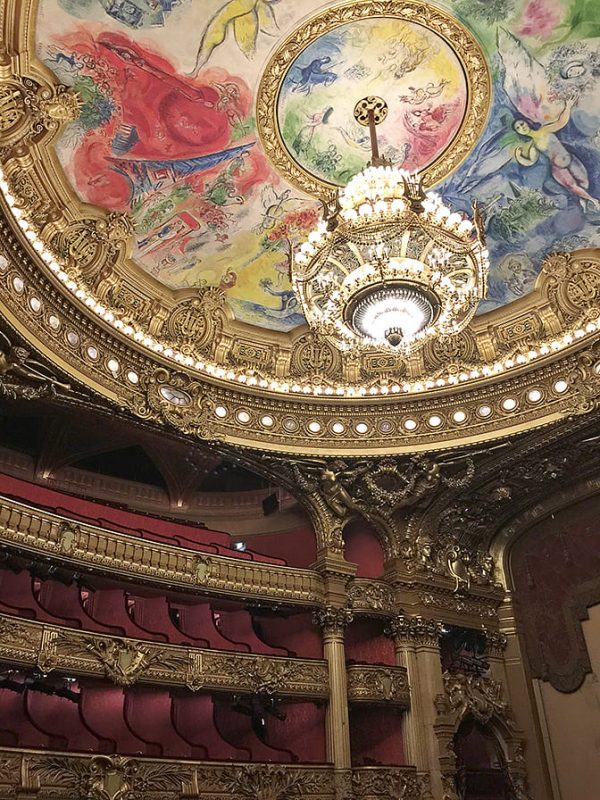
[{"x": 166, "y": 116}]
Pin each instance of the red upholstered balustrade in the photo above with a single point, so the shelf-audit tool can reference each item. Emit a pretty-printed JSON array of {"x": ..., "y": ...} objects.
[
  {"x": 113, "y": 610},
  {"x": 148, "y": 721}
]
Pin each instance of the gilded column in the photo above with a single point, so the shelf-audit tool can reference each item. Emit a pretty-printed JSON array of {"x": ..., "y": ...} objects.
[
  {"x": 416, "y": 642},
  {"x": 529, "y": 717},
  {"x": 333, "y": 621}
]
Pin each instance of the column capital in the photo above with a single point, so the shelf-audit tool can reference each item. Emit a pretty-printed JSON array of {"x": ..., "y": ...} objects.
[
  {"x": 414, "y": 630},
  {"x": 333, "y": 620},
  {"x": 495, "y": 642}
]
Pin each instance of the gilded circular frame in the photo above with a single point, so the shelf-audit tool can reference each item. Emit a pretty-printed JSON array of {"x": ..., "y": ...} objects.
[{"x": 461, "y": 41}]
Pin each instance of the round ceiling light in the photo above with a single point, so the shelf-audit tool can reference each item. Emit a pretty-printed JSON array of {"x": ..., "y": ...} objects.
[{"x": 392, "y": 313}]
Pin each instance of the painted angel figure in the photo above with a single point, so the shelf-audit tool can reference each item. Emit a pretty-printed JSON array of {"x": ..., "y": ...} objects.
[{"x": 538, "y": 118}]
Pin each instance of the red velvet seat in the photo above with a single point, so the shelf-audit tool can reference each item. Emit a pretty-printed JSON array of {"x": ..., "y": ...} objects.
[
  {"x": 108, "y": 607},
  {"x": 151, "y": 614},
  {"x": 58, "y": 718},
  {"x": 197, "y": 622},
  {"x": 236, "y": 728},
  {"x": 148, "y": 715},
  {"x": 237, "y": 626},
  {"x": 15, "y": 726},
  {"x": 17, "y": 597},
  {"x": 102, "y": 710},
  {"x": 193, "y": 720},
  {"x": 65, "y": 602},
  {"x": 191, "y": 536}
]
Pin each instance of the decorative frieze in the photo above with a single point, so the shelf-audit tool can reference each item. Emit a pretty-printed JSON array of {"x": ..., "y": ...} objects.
[
  {"x": 369, "y": 595},
  {"x": 127, "y": 661},
  {"x": 386, "y": 783},
  {"x": 369, "y": 683},
  {"x": 27, "y": 773},
  {"x": 73, "y": 777}
]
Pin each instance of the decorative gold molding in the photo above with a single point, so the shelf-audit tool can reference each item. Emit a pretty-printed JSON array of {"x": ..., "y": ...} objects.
[
  {"x": 72, "y": 777},
  {"x": 252, "y": 415},
  {"x": 370, "y": 596},
  {"x": 25, "y": 773},
  {"x": 378, "y": 684},
  {"x": 129, "y": 661},
  {"x": 95, "y": 549},
  {"x": 385, "y": 783}
]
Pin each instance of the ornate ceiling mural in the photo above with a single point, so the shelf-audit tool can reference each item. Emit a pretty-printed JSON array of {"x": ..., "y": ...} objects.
[
  {"x": 168, "y": 132},
  {"x": 158, "y": 163}
]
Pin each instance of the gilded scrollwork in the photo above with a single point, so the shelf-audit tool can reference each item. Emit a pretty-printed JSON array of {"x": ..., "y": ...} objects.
[
  {"x": 369, "y": 595},
  {"x": 389, "y": 783},
  {"x": 378, "y": 684},
  {"x": 313, "y": 355},
  {"x": 181, "y": 402},
  {"x": 475, "y": 695},
  {"x": 573, "y": 283},
  {"x": 585, "y": 380}
]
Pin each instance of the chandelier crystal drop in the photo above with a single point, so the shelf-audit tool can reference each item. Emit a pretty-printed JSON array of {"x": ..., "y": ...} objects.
[{"x": 389, "y": 266}]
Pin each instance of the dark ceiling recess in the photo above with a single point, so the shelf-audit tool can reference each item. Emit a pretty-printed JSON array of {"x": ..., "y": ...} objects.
[
  {"x": 25, "y": 434},
  {"x": 129, "y": 463},
  {"x": 229, "y": 477}
]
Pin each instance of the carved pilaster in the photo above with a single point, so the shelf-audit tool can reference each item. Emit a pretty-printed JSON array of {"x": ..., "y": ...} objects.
[
  {"x": 333, "y": 621},
  {"x": 416, "y": 641}
]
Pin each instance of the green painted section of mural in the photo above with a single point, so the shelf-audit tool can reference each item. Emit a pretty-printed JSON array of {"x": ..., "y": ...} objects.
[{"x": 386, "y": 57}]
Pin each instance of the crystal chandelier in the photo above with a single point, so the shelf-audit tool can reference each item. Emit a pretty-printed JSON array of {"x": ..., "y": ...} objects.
[{"x": 389, "y": 265}]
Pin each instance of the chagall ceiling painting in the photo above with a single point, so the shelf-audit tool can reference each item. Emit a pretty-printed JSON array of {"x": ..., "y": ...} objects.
[{"x": 168, "y": 131}]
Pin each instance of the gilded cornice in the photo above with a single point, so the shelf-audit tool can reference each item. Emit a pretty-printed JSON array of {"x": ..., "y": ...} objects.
[
  {"x": 378, "y": 684},
  {"x": 129, "y": 661},
  {"x": 83, "y": 546},
  {"x": 426, "y": 596},
  {"x": 100, "y": 777}
]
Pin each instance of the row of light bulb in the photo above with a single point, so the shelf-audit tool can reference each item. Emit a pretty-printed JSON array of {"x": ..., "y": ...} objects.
[
  {"x": 374, "y": 183},
  {"x": 273, "y": 384}
]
